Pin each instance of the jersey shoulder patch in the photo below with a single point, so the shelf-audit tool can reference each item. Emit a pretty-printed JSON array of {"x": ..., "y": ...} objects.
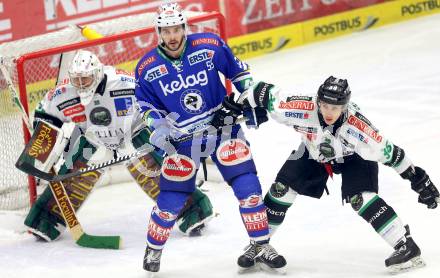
[
  {"x": 205, "y": 39},
  {"x": 146, "y": 61}
]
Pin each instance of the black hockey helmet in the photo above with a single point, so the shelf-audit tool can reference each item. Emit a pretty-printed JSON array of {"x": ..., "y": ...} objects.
[{"x": 334, "y": 91}]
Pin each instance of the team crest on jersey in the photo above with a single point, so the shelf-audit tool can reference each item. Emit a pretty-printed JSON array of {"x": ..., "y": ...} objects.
[
  {"x": 123, "y": 106},
  {"x": 200, "y": 56},
  {"x": 100, "y": 116},
  {"x": 156, "y": 72},
  {"x": 233, "y": 152},
  {"x": 178, "y": 168},
  {"x": 192, "y": 101}
]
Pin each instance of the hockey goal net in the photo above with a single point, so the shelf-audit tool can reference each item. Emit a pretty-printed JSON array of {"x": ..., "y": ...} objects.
[{"x": 32, "y": 66}]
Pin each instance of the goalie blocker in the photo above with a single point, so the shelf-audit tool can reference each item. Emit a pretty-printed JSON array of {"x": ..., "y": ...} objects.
[{"x": 45, "y": 219}]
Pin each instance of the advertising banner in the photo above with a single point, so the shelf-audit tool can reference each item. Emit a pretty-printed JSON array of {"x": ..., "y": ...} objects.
[{"x": 23, "y": 18}]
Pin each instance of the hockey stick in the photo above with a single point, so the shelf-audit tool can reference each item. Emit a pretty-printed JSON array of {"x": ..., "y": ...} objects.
[
  {"x": 31, "y": 170},
  {"x": 78, "y": 234}
]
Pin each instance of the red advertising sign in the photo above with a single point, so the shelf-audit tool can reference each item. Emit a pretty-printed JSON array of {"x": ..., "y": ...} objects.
[
  {"x": 20, "y": 19},
  {"x": 248, "y": 16}
]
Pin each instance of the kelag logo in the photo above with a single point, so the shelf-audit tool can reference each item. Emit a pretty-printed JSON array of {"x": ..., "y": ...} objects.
[
  {"x": 420, "y": 7},
  {"x": 355, "y": 23}
]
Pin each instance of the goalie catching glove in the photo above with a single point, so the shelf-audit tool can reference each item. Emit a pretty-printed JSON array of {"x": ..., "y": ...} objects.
[{"x": 422, "y": 184}]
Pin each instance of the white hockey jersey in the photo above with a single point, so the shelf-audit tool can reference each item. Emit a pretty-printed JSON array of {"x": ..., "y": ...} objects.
[
  {"x": 108, "y": 120},
  {"x": 355, "y": 135}
]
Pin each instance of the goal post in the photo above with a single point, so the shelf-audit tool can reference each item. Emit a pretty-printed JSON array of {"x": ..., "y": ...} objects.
[{"x": 33, "y": 66}]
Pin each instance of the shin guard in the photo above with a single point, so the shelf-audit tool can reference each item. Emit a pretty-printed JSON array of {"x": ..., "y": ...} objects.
[
  {"x": 278, "y": 200},
  {"x": 380, "y": 215},
  {"x": 247, "y": 189}
]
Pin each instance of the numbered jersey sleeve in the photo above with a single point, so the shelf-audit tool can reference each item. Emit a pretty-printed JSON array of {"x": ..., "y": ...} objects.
[
  {"x": 226, "y": 62},
  {"x": 371, "y": 144}
]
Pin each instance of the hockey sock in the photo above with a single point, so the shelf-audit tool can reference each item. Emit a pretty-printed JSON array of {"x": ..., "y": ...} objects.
[
  {"x": 278, "y": 200},
  {"x": 247, "y": 189},
  {"x": 163, "y": 217},
  {"x": 381, "y": 216}
]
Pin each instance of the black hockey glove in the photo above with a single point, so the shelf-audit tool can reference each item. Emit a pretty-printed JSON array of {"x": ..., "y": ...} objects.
[
  {"x": 255, "y": 116},
  {"x": 257, "y": 96},
  {"x": 422, "y": 184},
  {"x": 227, "y": 114},
  {"x": 256, "y": 102}
]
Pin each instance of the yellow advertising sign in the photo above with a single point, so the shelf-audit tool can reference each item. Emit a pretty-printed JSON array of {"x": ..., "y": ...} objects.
[
  {"x": 268, "y": 41},
  {"x": 358, "y": 20}
]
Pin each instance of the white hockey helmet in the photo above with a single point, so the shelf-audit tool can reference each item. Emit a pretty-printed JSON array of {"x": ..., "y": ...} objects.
[
  {"x": 85, "y": 74},
  {"x": 169, "y": 14}
]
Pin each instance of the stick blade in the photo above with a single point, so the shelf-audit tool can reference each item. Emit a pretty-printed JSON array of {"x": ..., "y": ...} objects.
[{"x": 100, "y": 242}]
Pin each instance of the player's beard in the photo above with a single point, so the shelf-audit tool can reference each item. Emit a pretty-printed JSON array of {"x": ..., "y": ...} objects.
[{"x": 169, "y": 47}]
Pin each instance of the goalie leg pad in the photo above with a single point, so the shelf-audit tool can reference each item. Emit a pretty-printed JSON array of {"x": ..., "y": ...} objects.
[
  {"x": 278, "y": 200},
  {"x": 42, "y": 222},
  {"x": 380, "y": 215},
  {"x": 196, "y": 213},
  {"x": 45, "y": 219}
]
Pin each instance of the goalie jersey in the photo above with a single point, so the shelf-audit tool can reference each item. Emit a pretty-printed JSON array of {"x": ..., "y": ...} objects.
[
  {"x": 108, "y": 120},
  {"x": 353, "y": 134}
]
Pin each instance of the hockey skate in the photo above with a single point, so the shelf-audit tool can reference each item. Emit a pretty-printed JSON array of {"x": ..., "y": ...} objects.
[
  {"x": 152, "y": 260},
  {"x": 246, "y": 262},
  {"x": 263, "y": 255},
  {"x": 406, "y": 255}
]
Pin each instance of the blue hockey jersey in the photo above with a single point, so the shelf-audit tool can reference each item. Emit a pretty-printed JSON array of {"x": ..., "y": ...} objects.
[{"x": 189, "y": 86}]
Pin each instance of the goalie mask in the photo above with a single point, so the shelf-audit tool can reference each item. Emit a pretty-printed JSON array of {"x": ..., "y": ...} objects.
[
  {"x": 168, "y": 15},
  {"x": 85, "y": 74}
]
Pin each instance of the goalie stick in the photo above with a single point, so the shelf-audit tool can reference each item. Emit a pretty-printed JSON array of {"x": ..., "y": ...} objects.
[
  {"x": 28, "y": 168},
  {"x": 68, "y": 212}
]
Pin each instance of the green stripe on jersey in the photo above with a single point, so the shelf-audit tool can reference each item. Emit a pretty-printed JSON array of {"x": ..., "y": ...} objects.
[
  {"x": 368, "y": 204},
  {"x": 278, "y": 201}
]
